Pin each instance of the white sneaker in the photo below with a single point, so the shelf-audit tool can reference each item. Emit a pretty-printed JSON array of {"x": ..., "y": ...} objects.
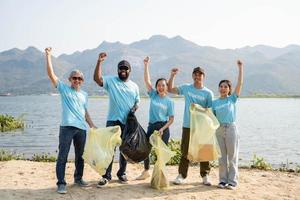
[
  {"x": 144, "y": 175},
  {"x": 206, "y": 181},
  {"x": 179, "y": 180}
]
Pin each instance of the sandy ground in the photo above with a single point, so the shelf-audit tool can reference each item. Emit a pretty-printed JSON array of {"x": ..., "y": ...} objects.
[{"x": 36, "y": 180}]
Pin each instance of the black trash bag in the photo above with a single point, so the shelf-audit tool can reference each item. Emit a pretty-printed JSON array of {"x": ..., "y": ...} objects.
[{"x": 135, "y": 145}]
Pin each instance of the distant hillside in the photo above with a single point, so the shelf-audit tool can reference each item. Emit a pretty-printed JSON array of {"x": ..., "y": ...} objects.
[{"x": 267, "y": 69}]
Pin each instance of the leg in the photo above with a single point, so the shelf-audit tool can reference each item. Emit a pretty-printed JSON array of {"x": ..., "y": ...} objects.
[
  {"x": 204, "y": 168},
  {"x": 79, "y": 142},
  {"x": 65, "y": 139},
  {"x": 232, "y": 144},
  {"x": 184, "y": 162},
  {"x": 223, "y": 168},
  {"x": 107, "y": 174}
]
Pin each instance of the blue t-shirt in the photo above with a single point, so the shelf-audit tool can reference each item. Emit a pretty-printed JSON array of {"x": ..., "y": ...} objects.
[
  {"x": 122, "y": 97},
  {"x": 161, "y": 108},
  {"x": 225, "y": 109},
  {"x": 74, "y": 105},
  {"x": 191, "y": 94}
]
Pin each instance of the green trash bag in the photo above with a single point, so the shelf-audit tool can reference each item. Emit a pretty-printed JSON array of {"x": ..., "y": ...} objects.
[
  {"x": 159, "y": 178},
  {"x": 203, "y": 145},
  {"x": 100, "y": 147}
]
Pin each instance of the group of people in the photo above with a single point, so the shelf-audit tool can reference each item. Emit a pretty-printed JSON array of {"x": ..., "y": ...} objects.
[{"x": 124, "y": 96}]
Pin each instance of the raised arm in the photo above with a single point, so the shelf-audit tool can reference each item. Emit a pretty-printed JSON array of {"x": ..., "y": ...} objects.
[
  {"x": 147, "y": 74},
  {"x": 171, "y": 87},
  {"x": 50, "y": 71},
  {"x": 240, "y": 78},
  {"x": 98, "y": 70}
]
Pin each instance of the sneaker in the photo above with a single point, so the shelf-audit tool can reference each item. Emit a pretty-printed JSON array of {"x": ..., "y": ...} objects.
[
  {"x": 222, "y": 185},
  {"x": 61, "y": 189},
  {"x": 231, "y": 187},
  {"x": 102, "y": 182},
  {"x": 81, "y": 183},
  {"x": 123, "y": 179},
  {"x": 206, "y": 181},
  {"x": 145, "y": 174},
  {"x": 179, "y": 180}
]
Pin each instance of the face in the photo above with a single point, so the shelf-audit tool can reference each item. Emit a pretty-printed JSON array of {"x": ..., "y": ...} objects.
[
  {"x": 123, "y": 73},
  {"x": 162, "y": 87},
  {"x": 76, "y": 81},
  {"x": 224, "y": 89},
  {"x": 198, "y": 77}
]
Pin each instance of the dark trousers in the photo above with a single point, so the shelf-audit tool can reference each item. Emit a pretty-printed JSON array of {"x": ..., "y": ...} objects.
[
  {"x": 184, "y": 162},
  {"x": 165, "y": 137},
  {"x": 122, "y": 160},
  {"x": 66, "y": 135}
]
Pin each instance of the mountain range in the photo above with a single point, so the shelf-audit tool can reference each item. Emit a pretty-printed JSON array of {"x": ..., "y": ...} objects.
[{"x": 268, "y": 70}]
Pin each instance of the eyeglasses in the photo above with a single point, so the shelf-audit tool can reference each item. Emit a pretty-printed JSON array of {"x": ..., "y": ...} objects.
[
  {"x": 74, "y": 78},
  {"x": 123, "y": 68}
]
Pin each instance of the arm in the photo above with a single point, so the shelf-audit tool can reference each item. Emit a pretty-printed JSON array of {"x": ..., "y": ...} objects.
[
  {"x": 170, "y": 121},
  {"x": 98, "y": 70},
  {"x": 147, "y": 74},
  {"x": 171, "y": 87},
  {"x": 50, "y": 71},
  {"x": 240, "y": 78},
  {"x": 89, "y": 120}
]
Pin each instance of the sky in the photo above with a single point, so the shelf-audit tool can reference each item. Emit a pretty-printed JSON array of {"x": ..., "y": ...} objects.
[{"x": 75, "y": 25}]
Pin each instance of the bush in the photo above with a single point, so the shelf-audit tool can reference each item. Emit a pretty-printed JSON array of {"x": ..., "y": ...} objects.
[
  {"x": 260, "y": 163},
  {"x": 174, "y": 145},
  {"x": 6, "y": 156},
  {"x": 43, "y": 158},
  {"x": 8, "y": 123}
]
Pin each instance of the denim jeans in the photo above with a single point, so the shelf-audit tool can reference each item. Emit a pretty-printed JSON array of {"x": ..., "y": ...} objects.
[
  {"x": 66, "y": 135},
  {"x": 165, "y": 137},
  {"x": 228, "y": 139},
  {"x": 122, "y": 160}
]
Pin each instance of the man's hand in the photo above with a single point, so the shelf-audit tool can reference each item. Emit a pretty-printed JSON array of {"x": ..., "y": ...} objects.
[
  {"x": 239, "y": 63},
  {"x": 48, "y": 51},
  {"x": 174, "y": 71},
  {"x": 146, "y": 60},
  {"x": 102, "y": 56}
]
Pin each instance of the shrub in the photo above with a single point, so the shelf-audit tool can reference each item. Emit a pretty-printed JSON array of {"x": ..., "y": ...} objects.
[
  {"x": 260, "y": 163},
  {"x": 8, "y": 123}
]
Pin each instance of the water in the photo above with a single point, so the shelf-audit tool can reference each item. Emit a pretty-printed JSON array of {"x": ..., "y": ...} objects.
[{"x": 268, "y": 127}]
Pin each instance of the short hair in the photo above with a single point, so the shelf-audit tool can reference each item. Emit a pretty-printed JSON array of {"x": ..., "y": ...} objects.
[{"x": 76, "y": 71}]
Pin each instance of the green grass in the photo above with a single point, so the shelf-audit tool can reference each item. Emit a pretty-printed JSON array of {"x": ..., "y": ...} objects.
[
  {"x": 6, "y": 156},
  {"x": 260, "y": 163},
  {"x": 9, "y": 123}
]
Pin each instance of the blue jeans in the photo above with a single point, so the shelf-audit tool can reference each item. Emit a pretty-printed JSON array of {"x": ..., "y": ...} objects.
[
  {"x": 66, "y": 135},
  {"x": 165, "y": 137},
  {"x": 122, "y": 160}
]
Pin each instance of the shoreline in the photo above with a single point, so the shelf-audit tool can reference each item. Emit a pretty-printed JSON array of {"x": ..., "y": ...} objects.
[{"x": 36, "y": 180}]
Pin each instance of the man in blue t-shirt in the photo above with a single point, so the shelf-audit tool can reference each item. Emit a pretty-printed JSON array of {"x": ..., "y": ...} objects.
[
  {"x": 73, "y": 126},
  {"x": 123, "y": 96},
  {"x": 194, "y": 93}
]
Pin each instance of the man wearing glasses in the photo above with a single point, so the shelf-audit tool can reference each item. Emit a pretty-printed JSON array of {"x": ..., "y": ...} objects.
[
  {"x": 73, "y": 125},
  {"x": 123, "y": 96}
]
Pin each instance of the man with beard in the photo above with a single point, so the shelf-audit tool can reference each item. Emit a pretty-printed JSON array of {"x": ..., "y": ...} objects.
[{"x": 123, "y": 96}]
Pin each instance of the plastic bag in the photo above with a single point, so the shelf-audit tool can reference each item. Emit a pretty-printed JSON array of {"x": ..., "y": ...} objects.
[
  {"x": 159, "y": 178},
  {"x": 100, "y": 147},
  {"x": 203, "y": 144},
  {"x": 135, "y": 145}
]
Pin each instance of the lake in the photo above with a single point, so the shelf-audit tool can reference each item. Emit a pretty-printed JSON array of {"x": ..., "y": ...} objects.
[{"x": 268, "y": 127}]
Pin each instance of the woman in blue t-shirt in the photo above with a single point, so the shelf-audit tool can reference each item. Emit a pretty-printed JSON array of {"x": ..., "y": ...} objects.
[
  {"x": 225, "y": 110},
  {"x": 161, "y": 112}
]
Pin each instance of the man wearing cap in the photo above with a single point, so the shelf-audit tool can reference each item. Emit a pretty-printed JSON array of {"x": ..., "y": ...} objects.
[
  {"x": 73, "y": 125},
  {"x": 123, "y": 96},
  {"x": 194, "y": 93}
]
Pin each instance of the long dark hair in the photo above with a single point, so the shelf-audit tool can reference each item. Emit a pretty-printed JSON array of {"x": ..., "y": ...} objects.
[{"x": 228, "y": 82}]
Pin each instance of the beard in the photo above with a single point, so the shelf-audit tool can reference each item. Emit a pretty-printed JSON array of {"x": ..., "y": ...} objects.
[{"x": 123, "y": 77}]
